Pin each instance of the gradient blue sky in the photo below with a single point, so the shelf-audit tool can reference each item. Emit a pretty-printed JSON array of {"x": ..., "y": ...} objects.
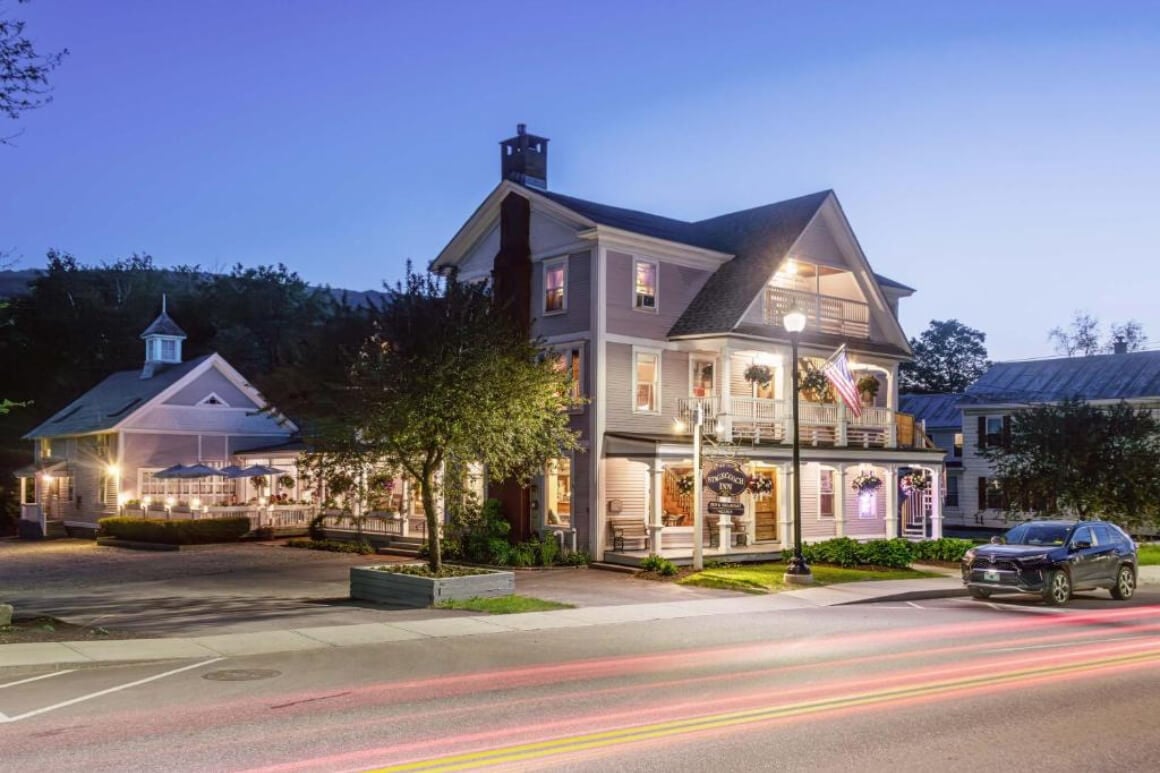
[{"x": 1002, "y": 158}]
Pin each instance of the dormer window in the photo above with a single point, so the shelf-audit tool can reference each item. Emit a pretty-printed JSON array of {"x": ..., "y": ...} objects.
[
  {"x": 555, "y": 282},
  {"x": 645, "y": 281}
]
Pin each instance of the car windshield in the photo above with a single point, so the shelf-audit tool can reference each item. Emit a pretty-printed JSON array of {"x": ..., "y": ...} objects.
[{"x": 1037, "y": 534}]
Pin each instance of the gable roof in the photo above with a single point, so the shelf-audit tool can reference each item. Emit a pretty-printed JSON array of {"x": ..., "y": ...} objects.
[
  {"x": 112, "y": 401},
  {"x": 939, "y": 411},
  {"x": 1129, "y": 376}
]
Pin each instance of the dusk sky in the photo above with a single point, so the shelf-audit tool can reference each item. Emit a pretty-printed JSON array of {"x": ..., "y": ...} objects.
[{"x": 1002, "y": 158}]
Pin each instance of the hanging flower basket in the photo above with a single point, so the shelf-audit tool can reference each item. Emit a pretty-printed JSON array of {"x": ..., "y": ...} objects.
[
  {"x": 867, "y": 482},
  {"x": 685, "y": 485},
  {"x": 761, "y": 485},
  {"x": 758, "y": 374},
  {"x": 286, "y": 481},
  {"x": 916, "y": 481}
]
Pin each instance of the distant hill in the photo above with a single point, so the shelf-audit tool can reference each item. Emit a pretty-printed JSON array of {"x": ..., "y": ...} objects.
[{"x": 14, "y": 283}]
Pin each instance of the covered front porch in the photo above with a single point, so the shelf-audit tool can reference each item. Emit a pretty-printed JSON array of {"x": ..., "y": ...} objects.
[{"x": 844, "y": 493}]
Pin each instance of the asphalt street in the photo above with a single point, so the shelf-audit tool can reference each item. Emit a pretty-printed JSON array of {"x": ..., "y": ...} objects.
[{"x": 886, "y": 686}]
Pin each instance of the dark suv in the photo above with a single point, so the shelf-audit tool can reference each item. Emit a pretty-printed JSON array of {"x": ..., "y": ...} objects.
[{"x": 1053, "y": 558}]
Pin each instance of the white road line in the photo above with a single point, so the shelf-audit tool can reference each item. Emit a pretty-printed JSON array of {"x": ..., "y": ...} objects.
[
  {"x": 118, "y": 688},
  {"x": 916, "y": 606},
  {"x": 35, "y": 678}
]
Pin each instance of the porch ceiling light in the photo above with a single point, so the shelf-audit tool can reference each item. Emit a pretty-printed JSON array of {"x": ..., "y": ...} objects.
[
  {"x": 794, "y": 320},
  {"x": 46, "y": 478},
  {"x": 113, "y": 470}
]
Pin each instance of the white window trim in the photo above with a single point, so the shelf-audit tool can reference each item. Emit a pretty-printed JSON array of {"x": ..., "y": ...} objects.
[
  {"x": 548, "y": 265},
  {"x": 636, "y": 259},
  {"x": 205, "y": 401},
  {"x": 636, "y": 352},
  {"x": 835, "y": 492},
  {"x": 693, "y": 360}
]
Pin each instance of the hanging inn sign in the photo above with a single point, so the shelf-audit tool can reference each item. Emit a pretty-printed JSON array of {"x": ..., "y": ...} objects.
[{"x": 726, "y": 479}]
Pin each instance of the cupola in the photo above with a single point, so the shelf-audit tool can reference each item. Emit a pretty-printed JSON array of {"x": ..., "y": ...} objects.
[{"x": 162, "y": 343}]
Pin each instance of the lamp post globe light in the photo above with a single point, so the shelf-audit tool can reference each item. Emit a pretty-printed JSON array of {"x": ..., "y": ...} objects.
[{"x": 797, "y": 571}]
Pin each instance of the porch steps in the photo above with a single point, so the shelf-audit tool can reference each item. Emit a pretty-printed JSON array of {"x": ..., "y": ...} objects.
[{"x": 403, "y": 546}]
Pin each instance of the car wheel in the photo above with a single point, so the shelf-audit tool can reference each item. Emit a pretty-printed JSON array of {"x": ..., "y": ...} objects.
[
  {"x": 1057, "y": 589},
  {"x": 979, "y": 593},
  {"x": 1125, "y": 586}
]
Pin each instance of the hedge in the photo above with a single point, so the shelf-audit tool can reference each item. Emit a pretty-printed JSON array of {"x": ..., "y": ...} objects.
[
  {"x": 894, "y": 553},
  {"x": 175, "y": 532}
]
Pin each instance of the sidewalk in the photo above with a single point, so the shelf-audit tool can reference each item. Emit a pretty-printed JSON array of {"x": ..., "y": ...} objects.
[{"x": 274, "y": 641}]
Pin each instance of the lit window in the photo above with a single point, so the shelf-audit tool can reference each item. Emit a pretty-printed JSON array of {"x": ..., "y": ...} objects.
[
  {"x": 702, "y": 378},
  {"x": 826, "y": 493},
  {"x": 555, "y": 278},
  {"x": 958, "y": 451},
  {"x": 570, "y": 361},
  {"x": 558, "y": 493},
  {"x": 647, "y": 382},
  {"x": 646, "y": 285}
]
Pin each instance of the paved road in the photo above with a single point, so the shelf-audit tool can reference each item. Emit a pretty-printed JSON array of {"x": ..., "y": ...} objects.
[{"x": 888, "y": 686}]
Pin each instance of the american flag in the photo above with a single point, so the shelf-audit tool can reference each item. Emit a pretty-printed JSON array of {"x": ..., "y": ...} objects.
[{"x": 837, "y": 372}]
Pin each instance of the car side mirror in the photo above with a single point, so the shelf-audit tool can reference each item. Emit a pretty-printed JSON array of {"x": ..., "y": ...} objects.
[
  {"x": 996, "y": 540},
  {"x": 1080, "y": 544}
]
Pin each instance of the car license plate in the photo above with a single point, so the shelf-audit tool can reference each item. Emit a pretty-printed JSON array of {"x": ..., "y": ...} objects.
[{"x": 991, "y": 575}]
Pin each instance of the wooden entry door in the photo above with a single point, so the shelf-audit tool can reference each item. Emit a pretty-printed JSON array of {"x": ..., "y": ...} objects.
[{"x": 765, "y": 512}]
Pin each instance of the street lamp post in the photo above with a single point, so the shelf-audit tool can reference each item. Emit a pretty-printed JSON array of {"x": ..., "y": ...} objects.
[
  {"x": 797, "y": 571},
  {"x": 698, "y": 532}
]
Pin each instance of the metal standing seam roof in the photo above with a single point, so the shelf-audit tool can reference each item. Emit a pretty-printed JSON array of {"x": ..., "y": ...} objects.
[
  {"x": 939, "y": 411},
  {"x": 758, "y": 238},
  {"x": 1131, "y": 376},
  {"x": 109, "y": 402}
]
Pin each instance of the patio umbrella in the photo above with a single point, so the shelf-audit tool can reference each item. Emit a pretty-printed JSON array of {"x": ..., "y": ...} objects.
[
  {"x": 198, "y": 471},
  {"x": 232, "y": 471},
  {"x": 261, "y": 469},
  {"x": 170, "y": 472}
]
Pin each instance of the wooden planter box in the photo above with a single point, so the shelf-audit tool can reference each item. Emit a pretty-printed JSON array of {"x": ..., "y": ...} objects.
[{"x": 369, "y": 584}]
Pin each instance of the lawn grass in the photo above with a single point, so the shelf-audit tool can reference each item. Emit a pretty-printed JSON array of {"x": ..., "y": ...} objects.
[
  {"x": 767, "y": 578},
  {"x": 1149, "y": 555},
  {"x": 504, "y": 605}
]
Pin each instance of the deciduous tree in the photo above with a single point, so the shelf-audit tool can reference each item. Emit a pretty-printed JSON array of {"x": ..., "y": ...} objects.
[
  {"x": 23, "y": 71},
  {"x": 948, "y": 357},
  {"x": 1077, "y": 458}
]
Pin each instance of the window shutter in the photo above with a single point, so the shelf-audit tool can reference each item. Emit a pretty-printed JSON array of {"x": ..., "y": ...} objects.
[
  {"x": 1006, "y": 432},
  {"x": 982, "y": 432},
  {"x": 982, "y": 493}
]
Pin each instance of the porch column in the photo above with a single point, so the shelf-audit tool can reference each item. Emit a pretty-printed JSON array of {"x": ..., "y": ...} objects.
[
  {"x": 840, "y": 432},
  {"x": 935, "y": 504},
  {"x": 724, "y": 533},
  {"x": 891, "y": 486},
  {"x": 656, "y": 523},
  {"x": 840, "y": 502},
  {"x": 726, "y": 419},
  {"x": 785, "y": 533}
]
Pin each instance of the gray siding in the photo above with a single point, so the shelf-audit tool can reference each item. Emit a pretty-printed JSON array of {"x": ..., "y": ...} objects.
[
  {"x": 578, "y": 298},
  {"x": 619, "y": 397},
  {"x": 677, "y": 286},
  {"x": 212, "y": 381}
]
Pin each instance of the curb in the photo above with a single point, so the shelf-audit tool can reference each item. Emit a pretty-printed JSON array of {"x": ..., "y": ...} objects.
[{"x": 916, "y": 595}]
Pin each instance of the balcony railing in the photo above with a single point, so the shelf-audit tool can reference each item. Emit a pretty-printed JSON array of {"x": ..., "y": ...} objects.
[
  {"x": 824, "y": 313},
  {"x": 760, "y": 419}
]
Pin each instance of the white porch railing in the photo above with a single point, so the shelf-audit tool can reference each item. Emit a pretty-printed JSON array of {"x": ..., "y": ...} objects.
[
  {"x": 763, "y": 419},
  {"x": 380, "y": 524},
  {"x": 825, "y": 313}
]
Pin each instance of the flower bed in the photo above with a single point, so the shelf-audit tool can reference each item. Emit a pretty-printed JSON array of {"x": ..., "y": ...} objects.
[{"x": 413, "y": 585}]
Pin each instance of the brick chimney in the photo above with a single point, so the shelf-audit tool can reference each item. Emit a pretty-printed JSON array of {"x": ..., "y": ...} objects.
[
  {"x": 1120, "y": 346},
  {"x": 524, "y": 159}
]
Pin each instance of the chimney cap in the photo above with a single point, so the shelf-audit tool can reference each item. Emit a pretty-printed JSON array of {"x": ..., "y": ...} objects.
[
  {"x": 521, "y": 129},
  {"x": 1120, "y": 345}
]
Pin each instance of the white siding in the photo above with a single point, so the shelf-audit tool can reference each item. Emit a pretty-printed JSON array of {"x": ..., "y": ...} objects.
[{"x": 627, "y": 480}]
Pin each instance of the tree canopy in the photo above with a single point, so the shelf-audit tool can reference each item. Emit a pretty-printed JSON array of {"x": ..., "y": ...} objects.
[
  {"x": 948, "y": 357},
  {"x": 446, "y": 377},
  {"x": 23, "y": 71},
  {"x": 1082, "y": 336},
  {"x": 1077, "y": 458}
]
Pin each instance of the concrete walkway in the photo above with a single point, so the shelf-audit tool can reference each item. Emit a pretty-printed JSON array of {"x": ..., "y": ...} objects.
[{"x": 267, "y": 642}]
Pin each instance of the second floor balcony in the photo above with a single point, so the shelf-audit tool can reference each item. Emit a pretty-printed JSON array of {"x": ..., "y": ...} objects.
[
  {"x": 763, "y": 420},
  {"x": 824, "y": 313}
]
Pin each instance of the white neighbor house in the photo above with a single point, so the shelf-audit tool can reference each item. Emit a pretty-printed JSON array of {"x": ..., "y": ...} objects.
[{"x": 654, "y": 316}]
